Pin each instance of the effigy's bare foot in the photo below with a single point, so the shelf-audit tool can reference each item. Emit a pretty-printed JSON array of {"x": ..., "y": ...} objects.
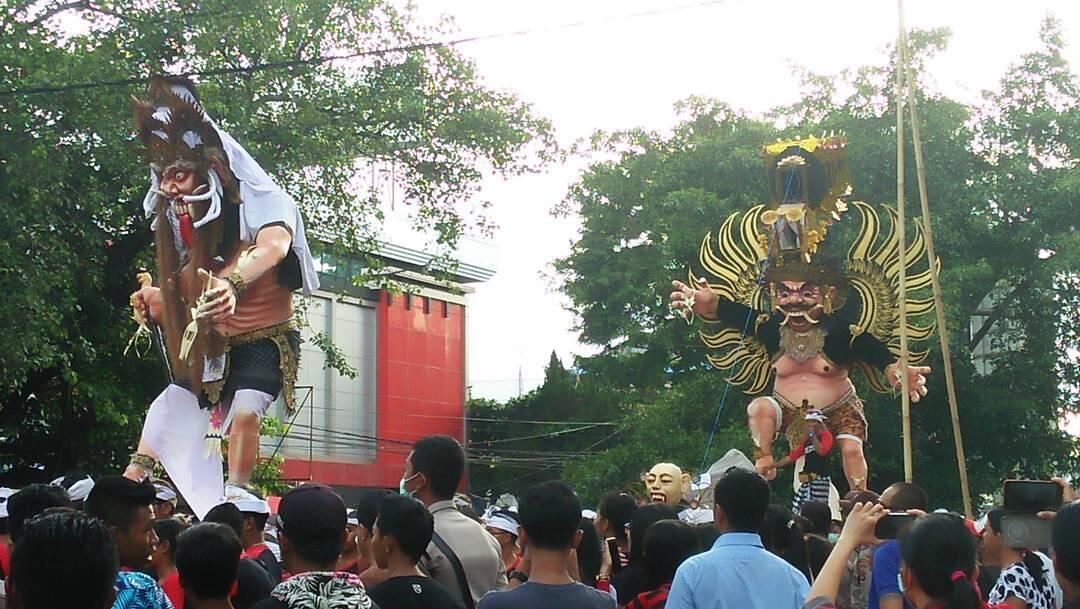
[{"x": 762, "y": 467}]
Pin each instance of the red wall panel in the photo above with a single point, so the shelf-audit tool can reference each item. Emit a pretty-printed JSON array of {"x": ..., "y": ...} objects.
[{"x": 420, "y": 390}]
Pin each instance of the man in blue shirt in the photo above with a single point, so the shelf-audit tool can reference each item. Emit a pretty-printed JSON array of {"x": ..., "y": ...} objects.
[
  {"x": 884, "y": 586},
  {"x": 738, "y": 572}
]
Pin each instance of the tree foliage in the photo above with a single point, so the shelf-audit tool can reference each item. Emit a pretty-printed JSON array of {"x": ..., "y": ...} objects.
[
  {"x": 73, "y": 234},
  {"x": 1003, "y": 185}
]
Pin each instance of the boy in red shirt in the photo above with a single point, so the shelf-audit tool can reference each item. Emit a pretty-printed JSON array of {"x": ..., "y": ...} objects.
[{"x": 814, "y": 477}]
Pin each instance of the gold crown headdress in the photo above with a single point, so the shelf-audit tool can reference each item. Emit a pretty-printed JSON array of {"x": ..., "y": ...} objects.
[{"x": 807, "y": 179}]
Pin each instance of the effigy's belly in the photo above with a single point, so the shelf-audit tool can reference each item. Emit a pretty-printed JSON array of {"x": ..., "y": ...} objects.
[
  {"x": 264, "y": 304},
  {"x": 818, "y": 381}
]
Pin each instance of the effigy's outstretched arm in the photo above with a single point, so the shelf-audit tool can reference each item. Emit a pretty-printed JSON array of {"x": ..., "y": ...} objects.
[{"x": 865, "y": 347}]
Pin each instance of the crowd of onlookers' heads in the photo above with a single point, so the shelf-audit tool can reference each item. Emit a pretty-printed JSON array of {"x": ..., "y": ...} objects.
[{"x": 78, "y": 544}]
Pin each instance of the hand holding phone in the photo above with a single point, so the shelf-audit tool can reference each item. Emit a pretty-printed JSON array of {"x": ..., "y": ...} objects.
[{"x": 891, "y": 524}]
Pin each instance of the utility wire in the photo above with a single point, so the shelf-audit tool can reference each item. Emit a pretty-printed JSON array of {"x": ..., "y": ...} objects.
[{"x": 314, "y": 61}]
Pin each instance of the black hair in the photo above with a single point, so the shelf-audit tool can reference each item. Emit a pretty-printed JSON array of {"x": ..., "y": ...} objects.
[
  {"x": 1031, "y": 561},
  {"x": 167, "y": 531},
  {"x": 782, "y": 535},
  {"x": 818, "y": 517},
  {"x": 408, "y": 522},
  {"x": 588, "y": 553},
  {"x": 32, "y": 501},
  {"x": 79, "y": 547},
  {"x": 907, "y": 496},
  {"x": 550, "y": 513},
  {"x": 744, "y": 497},
  {"x": 367, "y": 509},
  {"x": 643, "y": 518},
  {"x": 208, "y": 559},
  {"x": 1065, "y": 539},
  {"x": 116, "y": 500},
  {"x": 706, "y": 534},
  {"x": 666, "y": 545},
  {"x": 934, "y": 548},
  {"x": 617, "y": 509},
  {"x": 442, "y": 462},
  {"x": 227, "y": 514}
]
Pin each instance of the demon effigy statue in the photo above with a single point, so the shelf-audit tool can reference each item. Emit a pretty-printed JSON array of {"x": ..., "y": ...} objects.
[
  {"x": 230, "y": 250},
  {"x": 776, "y": 307}
]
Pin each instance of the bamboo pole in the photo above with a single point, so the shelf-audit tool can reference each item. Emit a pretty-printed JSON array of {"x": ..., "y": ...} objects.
[
  {"x": 943, "y": 333},
  {"x": 905, "y": 391}
]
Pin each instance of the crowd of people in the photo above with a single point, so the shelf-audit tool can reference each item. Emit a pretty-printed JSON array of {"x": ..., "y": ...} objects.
[{"x": 84, "y": 544}]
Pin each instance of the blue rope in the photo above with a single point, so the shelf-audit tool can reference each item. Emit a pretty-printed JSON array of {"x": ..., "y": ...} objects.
[
  {"x": 723, "y": 398},
  {"x": 727, "y": 381}
]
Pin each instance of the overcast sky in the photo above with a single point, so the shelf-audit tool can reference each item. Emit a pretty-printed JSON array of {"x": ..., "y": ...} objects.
[{"x": 625, "y": 73}]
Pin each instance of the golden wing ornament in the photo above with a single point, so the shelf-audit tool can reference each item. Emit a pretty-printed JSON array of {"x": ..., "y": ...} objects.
[
  {"x": 731, "y": 259},
  {"x": 873, "y": 302}
]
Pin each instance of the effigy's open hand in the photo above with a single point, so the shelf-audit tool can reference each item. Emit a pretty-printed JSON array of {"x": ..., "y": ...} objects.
[
  {"x": 219, "y": 299},
  {"x": 916, "y": 379},
  {"x": 699, "y": 300}
]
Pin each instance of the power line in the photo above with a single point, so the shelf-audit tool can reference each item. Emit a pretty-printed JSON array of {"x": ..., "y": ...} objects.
[{"x": 314, "y": 61}]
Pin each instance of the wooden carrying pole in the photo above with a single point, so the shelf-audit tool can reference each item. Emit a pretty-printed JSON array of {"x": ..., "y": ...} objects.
[
  {"x": 943, "y": 333},
  {"x": 905, "y": 390}
]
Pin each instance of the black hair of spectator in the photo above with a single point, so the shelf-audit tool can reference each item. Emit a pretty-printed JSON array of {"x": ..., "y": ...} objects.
[
  {"x": 588, "y": 553},
  {"x": 227, "y": 514},
  {"x": 907, "y": 496},
  {"x": 643, "y": 518},
  {"x": 408, "y": 521},
  {"x": 70, "y": 544},
  {"x": 617, "y": 509},
  {"x": 818, "y": 516},
  {"x": 208, "y": 559},
  {"x": 442, "y": 462},
  {"x": 744, "y": 497},
  {"x": 1031, "y": 561},
  {"x": 782, "y": 535},
  {"x": 1065, "y": 539},
  {"x": 32, "y": 501},
  {"x": 167, "y": 530},
  {"x": 706, "y": 534},
  {"x": 935, "y": 547},
  {"x": 3, "y": 526},
  {"x": 550, "y": 513},
  {"x": 667, "y": 544},
  {"x": 367, "y": 509},
  {"x": 116, "y": 500}
]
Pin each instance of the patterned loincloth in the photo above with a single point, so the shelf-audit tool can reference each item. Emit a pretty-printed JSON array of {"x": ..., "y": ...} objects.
[{"x": 846, "y": 419}]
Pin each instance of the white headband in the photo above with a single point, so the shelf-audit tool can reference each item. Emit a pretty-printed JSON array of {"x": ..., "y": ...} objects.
[
  {"x": 79, "y": 490},
  {"x": 502, "y": 523},
  {"x": 163, "y": 493},
  {"x": 5, "y": 494},
  {"x": 814, "y": 415}
]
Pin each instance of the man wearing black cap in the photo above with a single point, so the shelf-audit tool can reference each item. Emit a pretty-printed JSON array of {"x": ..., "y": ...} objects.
[{"x": 311, "y": 537}]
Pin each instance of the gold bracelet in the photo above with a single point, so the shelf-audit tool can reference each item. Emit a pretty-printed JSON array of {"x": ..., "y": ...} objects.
[{"x": 238, "y": 283}]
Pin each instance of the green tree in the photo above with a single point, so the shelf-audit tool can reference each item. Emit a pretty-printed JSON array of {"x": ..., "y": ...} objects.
[
  {"x": 531, "y": 438},
  {"x": 1002, "y": 179},
  {"x": 73, "y": 234}
]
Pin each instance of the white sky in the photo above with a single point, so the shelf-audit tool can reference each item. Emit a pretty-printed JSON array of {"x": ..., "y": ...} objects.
[{"x": 629, "y": 72}]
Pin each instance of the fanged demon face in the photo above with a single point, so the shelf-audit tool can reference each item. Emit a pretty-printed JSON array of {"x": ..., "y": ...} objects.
[
  {"x": 186, "y": 188},
  {"x": 665, "y": 482},
  {"x": 802, "y": 303}
]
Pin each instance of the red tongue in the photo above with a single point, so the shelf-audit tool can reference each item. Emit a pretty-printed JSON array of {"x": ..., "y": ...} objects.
[{"x": 187, "y": 230}]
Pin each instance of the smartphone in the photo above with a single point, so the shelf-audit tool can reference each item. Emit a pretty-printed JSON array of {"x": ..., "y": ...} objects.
[
  {"x": 613, "y": 552},
  {"x": 1032, "y": 496},
  {"x": 1025, "y": 530},
  {"x": 891, "y": 524}
]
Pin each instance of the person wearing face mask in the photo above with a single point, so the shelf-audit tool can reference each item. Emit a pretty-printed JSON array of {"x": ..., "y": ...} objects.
[{"x": 462, "y": 556}]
